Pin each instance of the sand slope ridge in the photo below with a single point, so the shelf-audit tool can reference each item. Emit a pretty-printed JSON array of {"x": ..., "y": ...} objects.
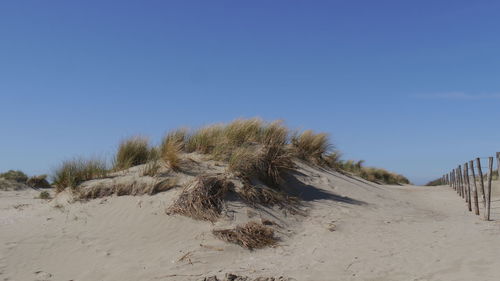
[{"x": 345, "y": 229}]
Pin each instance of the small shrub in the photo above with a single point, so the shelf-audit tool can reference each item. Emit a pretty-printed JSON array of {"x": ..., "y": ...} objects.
[
  {"x": 17, "y": 176},
  {"x": 38, "y": 182},
  {"x": 132, "y": 152},
  {"x": 73, "y": 172},
  {"x": 44, "y": 195},
  {"x": 252, "y": 235}
]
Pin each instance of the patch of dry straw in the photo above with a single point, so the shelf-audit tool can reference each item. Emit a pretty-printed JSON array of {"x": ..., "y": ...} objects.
[
  {"x": 121, "y": 189},
  {"x": 203, "y": 199},
  {"x": 252, "y": 235}
]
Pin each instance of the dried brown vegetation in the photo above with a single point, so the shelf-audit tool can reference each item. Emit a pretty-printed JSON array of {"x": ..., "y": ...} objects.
[
  {"x": 203, "y": 199},
  {"x": 121, "y": 189},
  {"x": 252, "y": 235}
]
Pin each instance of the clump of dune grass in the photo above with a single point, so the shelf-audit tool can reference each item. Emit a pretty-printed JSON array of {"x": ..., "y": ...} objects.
[
  {"x": 372, "y": 174},
  {"x": 252, "y": 235},
  {"x": 332, "y": 160},
  {"x": 268, "y": 159},
  {"x": 379, "y": 175},
  {"x": 73, "y": 172},
  {"x": 204, "y": 140},
  {"x": 202, "y": 199},
  {"x": 17, "y": 176},
  {"x": 132, "y": 152},
  {"x": 171, "y": 148},
  {"x": 153, "y": 166},
  {"x": 310, "y": 146}
]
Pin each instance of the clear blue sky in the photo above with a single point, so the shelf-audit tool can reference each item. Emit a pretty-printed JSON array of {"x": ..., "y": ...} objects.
[{"x": 412, "y": 86}]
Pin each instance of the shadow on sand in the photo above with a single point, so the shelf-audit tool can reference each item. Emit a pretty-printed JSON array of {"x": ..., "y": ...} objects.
[{"x": 308, "y": 192}]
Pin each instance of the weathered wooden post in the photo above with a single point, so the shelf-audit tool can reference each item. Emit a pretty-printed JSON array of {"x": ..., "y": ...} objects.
[
  {"x": 488, "y": 194},
  {"x": 467, "y": 183},
  {"x": 452, "y": 179},
  {"x": 481, "y": 180},
  {"x": 476, "y": 200},
  {"x": 460, "y": 181}
]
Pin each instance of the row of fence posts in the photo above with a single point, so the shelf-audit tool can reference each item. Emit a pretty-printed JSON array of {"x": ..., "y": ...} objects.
[{"x": 459, "y": 180}]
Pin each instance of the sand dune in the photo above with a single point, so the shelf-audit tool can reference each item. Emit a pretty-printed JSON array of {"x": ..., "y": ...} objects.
[{"x": 351, "y": 230}]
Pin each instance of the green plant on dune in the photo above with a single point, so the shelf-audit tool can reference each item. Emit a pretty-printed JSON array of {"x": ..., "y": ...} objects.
[
  {"x": 13, "y": 175},
  {"x": 132, "y": 152},
  {"x": 73, "y": 172}
]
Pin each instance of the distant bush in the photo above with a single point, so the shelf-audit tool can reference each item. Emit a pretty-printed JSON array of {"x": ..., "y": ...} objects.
[
  {"x": 38, "y": 182},
  {"x": 73, "y": 172},
  {"x": 376, "y": 175},
  {"x": 435, "y": 182},
  {"x": 132, "y": 152},
  {"x": 17, "y": 176}
]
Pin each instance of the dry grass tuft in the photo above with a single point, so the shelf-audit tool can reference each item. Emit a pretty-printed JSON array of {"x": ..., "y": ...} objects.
[
  {"x": 73, "y": 172},
  {"x": 204, "y": 140},
  {"x": 252, "y": 235},
  {"x": 171, "y": 147},
  {"x": 132, "y": 152},
  {"x": 267, "y": 160},
  {"x": 202, "y": 199},
  {"x": 311, "y": 147}
]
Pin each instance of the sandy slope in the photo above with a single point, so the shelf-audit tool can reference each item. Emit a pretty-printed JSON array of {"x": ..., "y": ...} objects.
[{"x": 380, "y": 233}]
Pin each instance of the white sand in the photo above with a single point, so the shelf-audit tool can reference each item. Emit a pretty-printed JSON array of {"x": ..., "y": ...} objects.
[{"x": 381, "y": 233}]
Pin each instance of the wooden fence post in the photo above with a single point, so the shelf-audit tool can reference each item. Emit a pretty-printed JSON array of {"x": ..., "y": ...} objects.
[
  {"x": 488, "y": 195},
  {"x": 476, "y": 200},
  {"x": 481, "y": 180},
  {"x": 467, "y": 182},
  {"x": 452, "y": 179},
  {"x": 460, "y": 181}
]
